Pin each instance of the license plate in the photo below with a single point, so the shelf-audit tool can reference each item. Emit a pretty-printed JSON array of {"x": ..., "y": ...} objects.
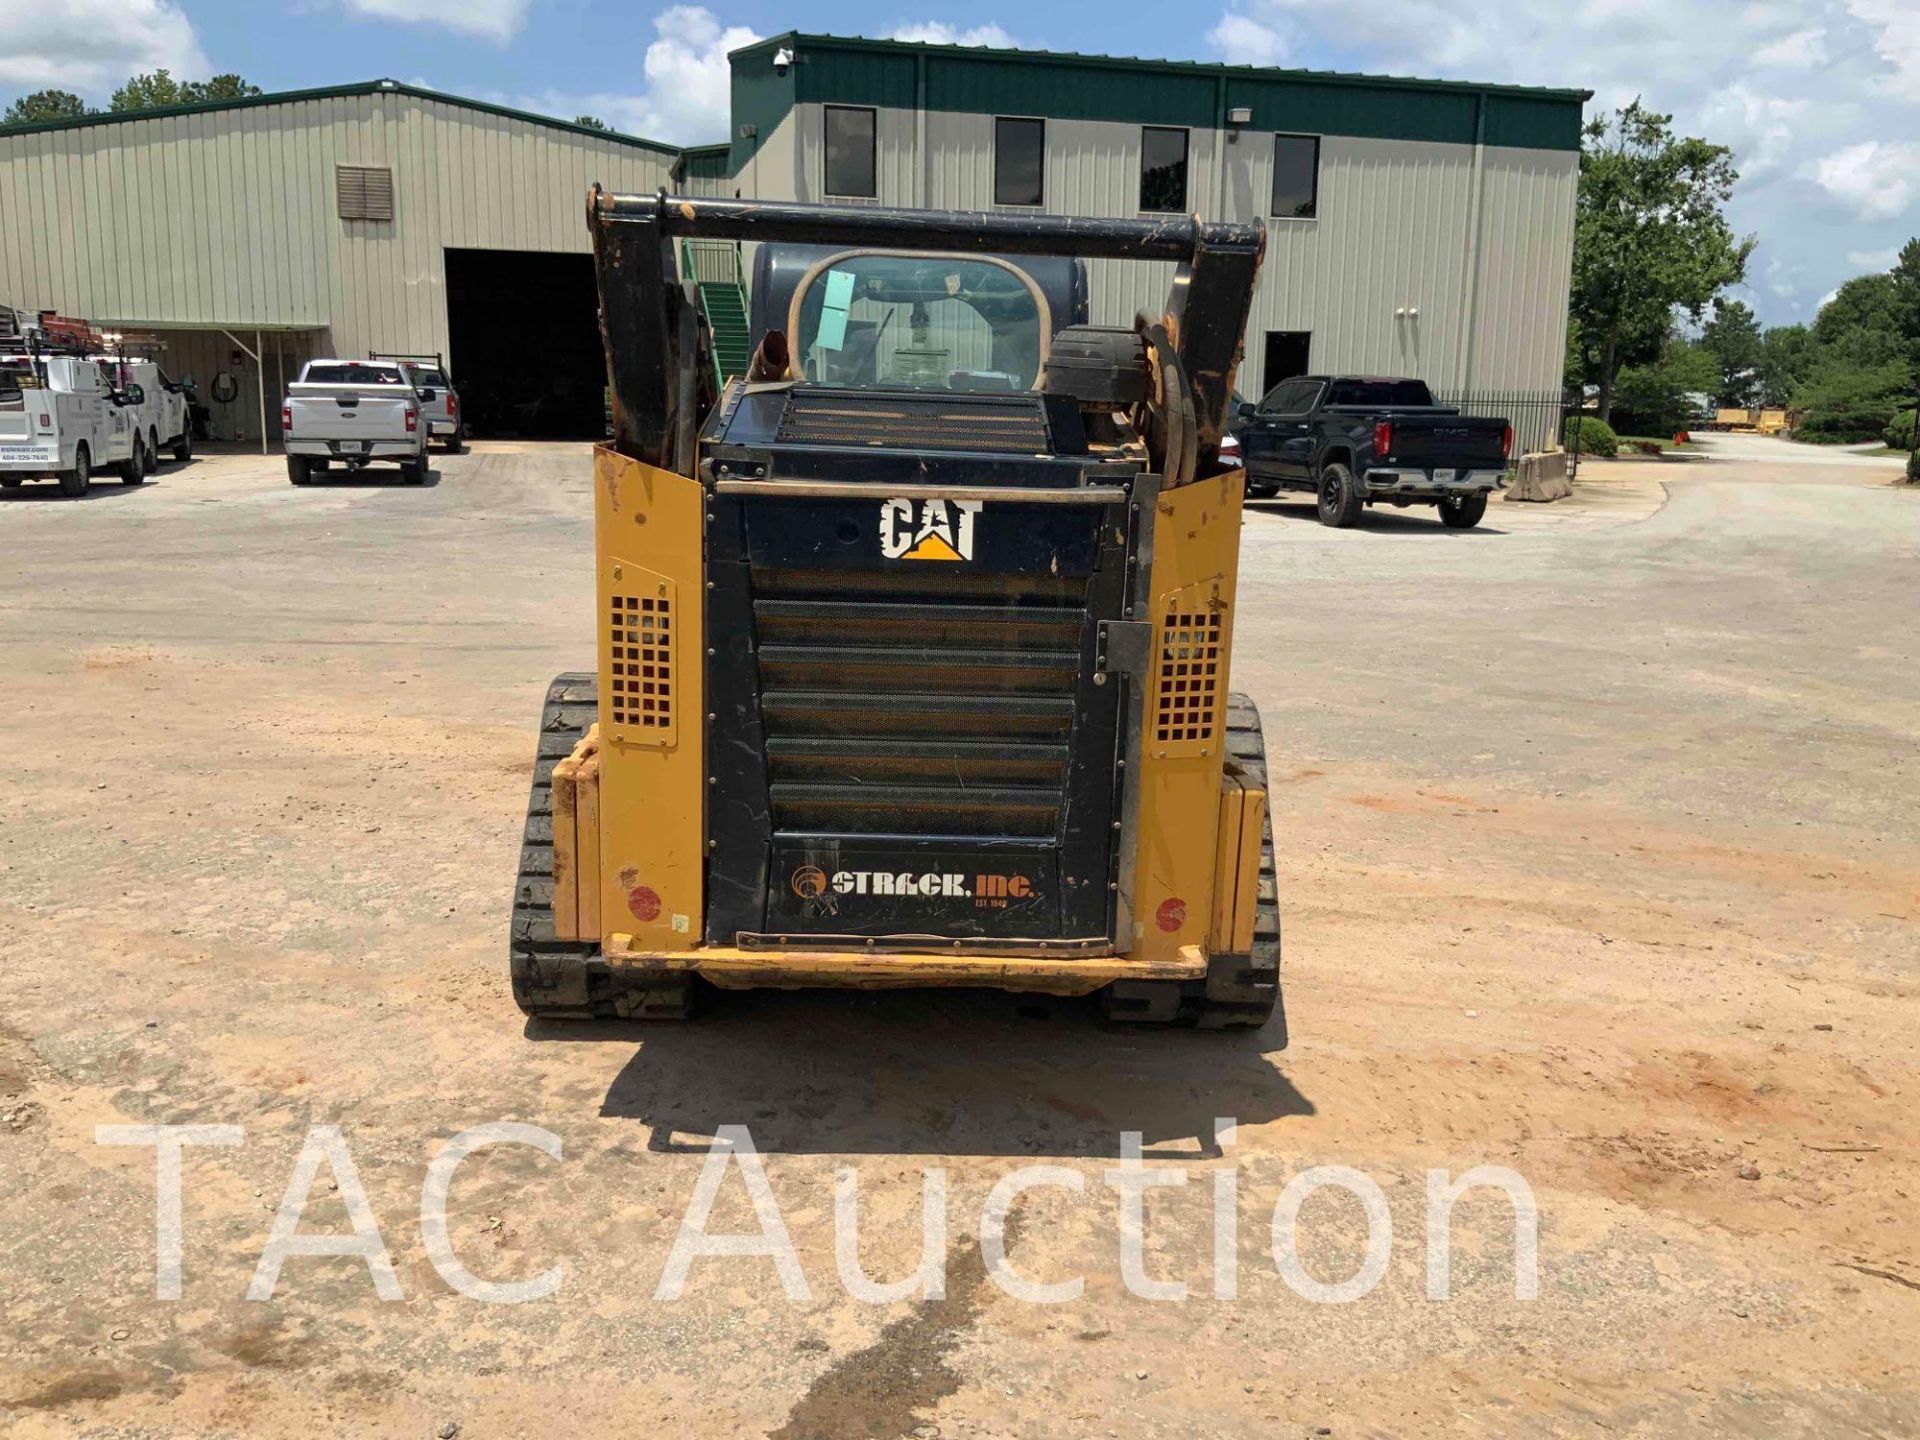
[
  {"x": 1444, "y": 477},
  {"x": 353, "y": 447}
]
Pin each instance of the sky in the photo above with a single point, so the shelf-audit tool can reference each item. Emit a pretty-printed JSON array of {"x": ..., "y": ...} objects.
[{"x": 1820, "y": 99}]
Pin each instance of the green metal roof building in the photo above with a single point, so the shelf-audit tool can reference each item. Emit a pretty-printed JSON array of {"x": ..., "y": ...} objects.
[{"x": 1417, "y": 227}]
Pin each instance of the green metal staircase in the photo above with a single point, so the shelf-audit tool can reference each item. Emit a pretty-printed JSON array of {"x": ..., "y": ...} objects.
[{"x": 714, "y": 268}]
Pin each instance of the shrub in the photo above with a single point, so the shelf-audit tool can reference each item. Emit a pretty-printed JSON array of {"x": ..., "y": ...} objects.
[
  {"x": 1843, "y": 404},
  {"x": 1592, "y": 437},
  {"x": 1899, "y": 432}
]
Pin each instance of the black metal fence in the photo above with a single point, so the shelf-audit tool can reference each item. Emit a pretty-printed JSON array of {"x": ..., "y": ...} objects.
[{"x": 1538, "y": 417}]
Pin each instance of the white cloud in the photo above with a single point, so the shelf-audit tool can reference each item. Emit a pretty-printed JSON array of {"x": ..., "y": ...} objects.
[
  {"x": 1870, "y": 177},
  {"x": 1802, "y": 50},
  {"x": 1895, "y": 35},
  {"x": 689, "y": 84},
  {"x": 93, "y": 46},
  {"x": 495, "y": 20},
  {"x": 1872, "y": 260},
  {"x": 938, "y": 32},
  {"x": 1819, "y": 99},
  {"x": 1242, "y": 40}
]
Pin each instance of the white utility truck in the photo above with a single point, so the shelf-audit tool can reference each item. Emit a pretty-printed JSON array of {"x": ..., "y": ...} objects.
[
  {"x": 62, "y": 419},
  {"x": 162, "y": 419},
  {"x": 352, "y": 413}
]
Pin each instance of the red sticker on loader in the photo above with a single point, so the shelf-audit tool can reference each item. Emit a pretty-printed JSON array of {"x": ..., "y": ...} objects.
[
  {"x": 644, "y": 902},
  {"x": 1171, "y": 915}
]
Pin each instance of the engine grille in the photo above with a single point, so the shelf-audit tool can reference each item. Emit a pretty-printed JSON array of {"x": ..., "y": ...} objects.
[
  {"x": 924, "y": 703},
  {"x": 1000, "y": 424}
]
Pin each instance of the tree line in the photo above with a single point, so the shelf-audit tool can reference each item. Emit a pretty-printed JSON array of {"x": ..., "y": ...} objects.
[
  {"x": 1651, "y": 326},
  {"x": 153, "y": 90}
]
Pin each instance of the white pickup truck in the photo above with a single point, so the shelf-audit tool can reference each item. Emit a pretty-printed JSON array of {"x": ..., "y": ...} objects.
[
  {"x": 61, "y": 419},
  {"x": 352, "y": 413}
]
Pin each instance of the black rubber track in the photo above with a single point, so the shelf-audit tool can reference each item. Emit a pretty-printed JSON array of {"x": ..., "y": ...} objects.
[
  {"x": 1240, "y": 991},
  {"x": 568, "y": 979}
]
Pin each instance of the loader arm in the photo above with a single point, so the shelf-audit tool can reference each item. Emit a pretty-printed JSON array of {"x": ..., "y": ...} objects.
[{"x": 651, "y": 332}]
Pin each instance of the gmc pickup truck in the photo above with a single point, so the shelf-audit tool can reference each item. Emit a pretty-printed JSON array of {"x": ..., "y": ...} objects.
[
  {"x": 352, "y": 413},
  {"x": 1353, "y": 442}
]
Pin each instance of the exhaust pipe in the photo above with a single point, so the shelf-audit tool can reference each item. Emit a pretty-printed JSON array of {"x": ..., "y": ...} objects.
[{"x": 770, "y": 359}]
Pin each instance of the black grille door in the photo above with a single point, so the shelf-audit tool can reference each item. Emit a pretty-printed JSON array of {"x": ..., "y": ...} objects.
[{"x": 908, "y": 738}]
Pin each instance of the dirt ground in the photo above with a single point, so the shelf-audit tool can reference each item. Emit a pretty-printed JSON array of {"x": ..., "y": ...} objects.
[{"x": 1599, "y": 837}]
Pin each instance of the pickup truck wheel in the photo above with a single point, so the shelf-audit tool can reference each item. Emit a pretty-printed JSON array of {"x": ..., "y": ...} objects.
[
  {"x": 1463, "y": 513},
  {"x": 414, "y": 472},
  {"x": 74, "y": 482},
  {"x": 457, "y": 445},
  {"x": 183, "y": 447},
  {"x": 298, "y": 470},
  {"x": 1339, "y": 497},
  {"x": 11, "y": 482},
  {"x": 133, "y": 470},
  {"x": 1261, "y": 490}
]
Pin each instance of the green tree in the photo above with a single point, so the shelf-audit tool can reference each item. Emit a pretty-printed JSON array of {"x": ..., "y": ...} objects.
[
  {"x": 148, "y": 91},
  {"x": 1861, "y": 325},
  {"x": 1843, "y": 402},
  {"x": 157, "y": 89},
  {"x": 591, "y": 122},
  {"x": 45, "y": 105},
  {"x": 220, "y": 87},
  {"x": 1786, "y": 360},
  {"x": 1651, "y": 237},
  {"x": 1657, "y": 398},
  {"x": 1906, "y": 303},
  {"x": 1732, "y": 338}
]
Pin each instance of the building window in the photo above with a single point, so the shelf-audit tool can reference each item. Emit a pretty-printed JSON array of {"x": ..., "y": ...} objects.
[
  {"x": 1019, "y": 161},
  {"x": 850, "y": 163},
  {"x": 365, "y": 191},
  {"x": 1163, "y": 169},
  {"x": 1296, "y": 176}
]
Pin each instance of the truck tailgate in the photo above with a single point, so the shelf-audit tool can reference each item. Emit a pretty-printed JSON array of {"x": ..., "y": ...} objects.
[
  {"x": 351, "y": 412},
  {"x": 1456, "y": 442}
]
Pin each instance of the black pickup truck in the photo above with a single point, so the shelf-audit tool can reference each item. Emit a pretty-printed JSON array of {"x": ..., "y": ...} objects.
[{"x": 1354, "y": 442}]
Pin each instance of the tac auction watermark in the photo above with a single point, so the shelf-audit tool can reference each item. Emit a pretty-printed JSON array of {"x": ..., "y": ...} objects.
[{"x": 733, "y": 1158}]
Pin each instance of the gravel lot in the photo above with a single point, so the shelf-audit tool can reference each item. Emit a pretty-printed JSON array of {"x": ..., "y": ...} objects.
[{"x": 1599, "y": 835}]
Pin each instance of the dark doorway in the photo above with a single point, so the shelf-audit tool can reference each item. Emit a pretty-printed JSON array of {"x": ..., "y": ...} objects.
[
  {"x": 1286, "y": 356},
  {"x": 523, "y": 333}
]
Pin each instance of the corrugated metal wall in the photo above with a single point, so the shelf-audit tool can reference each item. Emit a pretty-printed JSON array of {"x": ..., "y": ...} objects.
[
  {"x": 1394, "y": 232},
  {"x": 229, "y": 216}
]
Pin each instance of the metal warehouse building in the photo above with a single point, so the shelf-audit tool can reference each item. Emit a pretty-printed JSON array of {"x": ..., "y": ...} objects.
[
  {"x": 255, "y": 234},
  {"x": 1417, "y": 227}
]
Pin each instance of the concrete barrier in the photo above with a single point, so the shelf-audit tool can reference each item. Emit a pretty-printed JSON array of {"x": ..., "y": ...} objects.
[{"x": 1541, "y": 476}]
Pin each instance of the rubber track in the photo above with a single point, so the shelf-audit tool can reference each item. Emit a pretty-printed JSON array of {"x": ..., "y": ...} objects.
[
  {"x": 554, "y": 978},
  {"x": 1240, "y": 991}
]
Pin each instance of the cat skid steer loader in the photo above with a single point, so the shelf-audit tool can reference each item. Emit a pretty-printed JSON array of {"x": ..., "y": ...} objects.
[{"x": 914, "y": 640}]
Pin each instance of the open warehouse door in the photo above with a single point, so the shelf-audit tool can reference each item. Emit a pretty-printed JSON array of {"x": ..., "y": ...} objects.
[{"x": 523, "y": 344}]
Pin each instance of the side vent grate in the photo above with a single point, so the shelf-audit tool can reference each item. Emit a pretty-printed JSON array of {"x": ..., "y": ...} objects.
[
  {"x": 1187, "y": 676},
  {"x": 640, "y": 632}
]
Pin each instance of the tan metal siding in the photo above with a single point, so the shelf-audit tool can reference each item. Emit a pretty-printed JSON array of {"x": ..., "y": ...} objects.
[
  {"x": 1392, "y": 233},
  {"x": 229, "y": 217}
]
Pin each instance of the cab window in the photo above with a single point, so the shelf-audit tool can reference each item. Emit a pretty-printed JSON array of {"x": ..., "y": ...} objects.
[
  {"x": 921, "y": 321},
  {"x": 1291, "y": 397},
  {"x": 350, "y": 374}
]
